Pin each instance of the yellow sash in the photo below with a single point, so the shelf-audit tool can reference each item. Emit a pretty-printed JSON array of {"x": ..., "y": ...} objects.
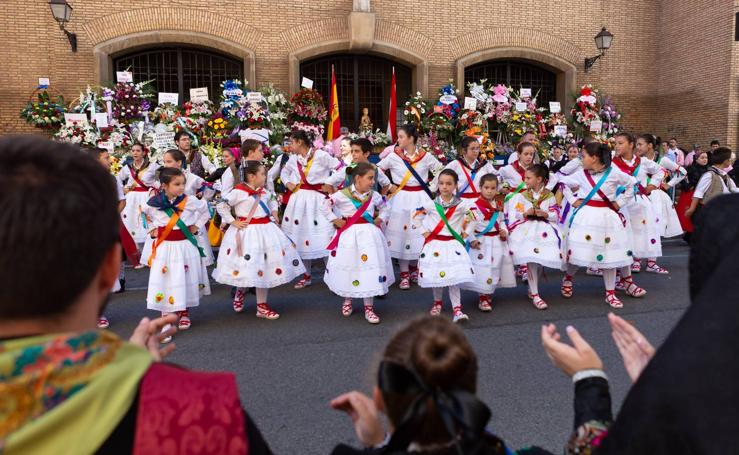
[
  {"x": 304, "y": 177},
  {"x": 167, "y": 229}
]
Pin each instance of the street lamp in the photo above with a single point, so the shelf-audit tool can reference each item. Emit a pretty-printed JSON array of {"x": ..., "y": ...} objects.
[
  {"x": 603, "y": 42},
  {"x": 62, "y": 12}
]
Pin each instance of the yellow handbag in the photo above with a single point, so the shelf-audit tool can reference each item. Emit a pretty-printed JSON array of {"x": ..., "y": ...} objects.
[{"x": 215, "y": 235}]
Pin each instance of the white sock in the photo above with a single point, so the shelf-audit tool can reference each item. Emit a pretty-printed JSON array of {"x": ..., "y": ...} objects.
[
  {"x": 368, "y": 302},
  {"x": 307, "y": 263},
  {"x": 455, "y": 297},
  {"x": 533, "y": 277},
  {"x": 625, "y": 272},
  {"x": 609, "y": 279},
  {"x": 404, "y": 265},
  {"x": 571, "y": 269},
  {"x": 262, "y": 295}
]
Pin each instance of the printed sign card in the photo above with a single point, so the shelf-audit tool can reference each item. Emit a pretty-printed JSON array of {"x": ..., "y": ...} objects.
[
  {"x": 596, "y": 126},
  {"x": 521, "y": 107},
  {"x": 199, "y": 94},
  {"x": 307, "y": 83},
  {"x": 124, "y": 76},
  {"x": 525, "y": 93},
  {"x": 80, "y": 119},
  {"x": 172, "y": 98},
  {"x": 555, "y": 107},
  {"x": 470, "y": 104},
  {"x": 560, "y": 130}
]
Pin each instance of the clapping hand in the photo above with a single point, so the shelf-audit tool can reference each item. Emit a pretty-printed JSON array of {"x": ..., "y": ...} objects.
[
  {"x": 148, "y": 334},
  {"x": 635, "y": 349},
  {"x": 364, "y": 415},
  {"x": 570, "y": 359}
]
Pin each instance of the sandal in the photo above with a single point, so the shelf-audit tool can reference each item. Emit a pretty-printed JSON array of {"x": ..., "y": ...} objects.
[
  {"x": 635, "y": 266},
  {"x": 405, "y": 281},
  {"x": 594, "y": 272},
  {"x": 612, "y": 300},
  {"x": 370, "y": 315},
  {"x": 459, "y": 316},
  {"x": 566, "y": 288},
  {"x": 304, "y": 282},
  {"x": 185, "y": 322},
  {"x": 436, "y": 309},
  {"x": 264, "y": 311},
  {"x": 103, "y": 322},
  {"x": 166, "y": 339},
  {"x": 238, "y": 302},
  {"x": 524, "y": 273},
  {"x": 346, "y": 308},
  {"x": 484, "y": 304},
  {"x": 632, "y": 289},
  {"x": 538, "y": 302},
  {"x": 652, "y": 267},
  {"x": 414, "y": 274}
]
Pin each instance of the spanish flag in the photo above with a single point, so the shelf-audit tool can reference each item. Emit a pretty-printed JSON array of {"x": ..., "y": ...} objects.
[{"x": 334, "y": 122}]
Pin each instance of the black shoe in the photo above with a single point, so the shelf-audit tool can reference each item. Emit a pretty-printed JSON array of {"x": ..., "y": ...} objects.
[
  {"x": 123, "y": 287},
  {"x": 233, "y": 292}
]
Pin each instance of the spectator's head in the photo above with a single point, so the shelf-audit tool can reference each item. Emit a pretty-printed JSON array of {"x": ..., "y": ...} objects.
[
  {"x": 344, "y": 131},
  {"x": 572, "y": 151},
  {"x": 701, "y": 157},
  {"x": 251, "y": 150},
  {"x": 715, "y": 144},
  {"x": 59, "y": 242},
  {"x": 427, "y": 363},
  {"x": 182, "y": 141},
  {"x": 673, "y": 143},
  {"x": 526, "y": 152},
  {"x": 528, "y": 137},
  {"x": 345, "y": 146},
  {"x": 721, "y": 158},
  {"x": 361, "y": 149},
  {"x": 469, "y": 148}
]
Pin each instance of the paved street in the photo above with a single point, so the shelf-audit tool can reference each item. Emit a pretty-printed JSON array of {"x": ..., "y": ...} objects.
[{"x": 289, "y": 369}]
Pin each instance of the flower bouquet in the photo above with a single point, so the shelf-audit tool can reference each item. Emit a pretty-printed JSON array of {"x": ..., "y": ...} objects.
[
  {"x": 117, "y": 135},
  {"x": 586, "y": 110},
  {"x": 610, "y": 117},
  {"x": 44, "y": 113},
  {"x": 199, "y": 111},
  {"x": 415, "y": 110},
  {"x": 78, "y": 133},
  {"x": 307, "y": 112},
  {"x": 130, "y": 101},
  {"x": 217, "y": 129},
  {"x": 448, "y": 101},
  {"x": 277, "y": 106},
  {"x": 439, "y": 148}
]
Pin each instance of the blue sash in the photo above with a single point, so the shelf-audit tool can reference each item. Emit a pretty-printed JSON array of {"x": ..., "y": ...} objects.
[
  {"x": 490, "y": 226},
  {"x": 365, "y": 215},
  {"x": 418, "y": 178},
  {"x": 592, "y": 193}
]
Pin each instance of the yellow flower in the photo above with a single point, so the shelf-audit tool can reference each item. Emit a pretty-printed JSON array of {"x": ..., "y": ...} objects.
[
  {"x": 518, "y": 131},
  {"x": 516, "y": 117}
]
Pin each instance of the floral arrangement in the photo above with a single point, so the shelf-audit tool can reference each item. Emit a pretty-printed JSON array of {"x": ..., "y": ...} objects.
[
  {"x": 378, "y": 138},
  {"x": 307, "y": 112},
  {"x": 253, "y": 116},
  {"x": 470, "y": 123},
  {"x": 439, "y": 123},
  {"x": 78, "y": 133},
  {"x": 530, "y": 120},
  {"x": 130, "y": 101},
  {"x": 44, "y": 113},
  {"x": 501, "y": 104},
  {"x": 277, "y": 106},
  {"x": 213, "y": 150},
  {"x": 448, "y": 101},
  {"x": 586, "y": 110},
  {"x": 439, "y": 148},
  {"x": 232, "y": 97},
  {"x": 200, "y": 111},
  {"x": 270, "y": 155},
  {"x": 217, "y": 127},
  {"x": 415, "y": 109},
  {"x": 117, "y": 135},
  {"x": 89, "y": 100},
  {"x": 165, "y": 113},
  {"x": 610, "y": 117}
]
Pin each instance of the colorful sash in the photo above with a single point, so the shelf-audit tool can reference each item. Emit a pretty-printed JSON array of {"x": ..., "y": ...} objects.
[
  {"x": 518, "y": 189},
  {"x": 411, "y": 171},
  {"x": 632, "y": 171},
  {"x": 361, "y": 209},
  {"x": 444, "y": 222},
  {"x": 135, "y": 176},
  {"x": 304, "y": 174},
  {"x": 470, "y": 178},
  {"x": 487, "y": 210},
  {"x": 596, "y": 189},
  {"x": 174, "y": 219}
]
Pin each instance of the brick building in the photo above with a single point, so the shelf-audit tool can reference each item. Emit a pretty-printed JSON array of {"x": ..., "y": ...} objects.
[{"x": 672, "y": 69}]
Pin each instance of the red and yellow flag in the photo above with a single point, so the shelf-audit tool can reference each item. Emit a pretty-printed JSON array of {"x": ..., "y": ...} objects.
[{"x": 334, "y": 122}]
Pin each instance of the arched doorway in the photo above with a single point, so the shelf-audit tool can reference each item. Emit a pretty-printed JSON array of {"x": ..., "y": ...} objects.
[
  {"x": 177, "y": 69},
  {"x": 516, "y": 73},
  {"x": 361, "y": 81}
]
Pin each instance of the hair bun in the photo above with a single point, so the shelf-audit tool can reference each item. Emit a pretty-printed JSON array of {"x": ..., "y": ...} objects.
[{"x": 439, "y": 358}]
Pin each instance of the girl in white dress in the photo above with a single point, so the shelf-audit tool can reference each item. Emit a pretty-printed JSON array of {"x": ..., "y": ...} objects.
[
  {"x": 489, "y": 255},
  {"x": 534, "y": 238},
  {"x": 231, "y": 158},
  {"x": 137, "y": 193},
  {"x": 254, "y": 251},
  {"x": 194, "y": 186},
  {"x": 512, "y": 176},
  {"x": 444, "y": 223},
  {"x": 359, "y": 265},
  {"x": 178, "y": 276},
  {"x": 305, "y": 175},
  {"x": 640, "y": 211},
  {"x": 470, "y": 169},
  {"x": 669, "y": 223},
  {"x": 407, "y": 194},
  {"x": 599, "y": 234}
]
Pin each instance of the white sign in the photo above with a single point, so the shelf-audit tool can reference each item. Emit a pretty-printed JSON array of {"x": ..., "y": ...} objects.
[
  {"x": 43, "y": 82},
  {"x": 307, "y": 83},
  {"x": 101, "y": 119},
  {"x": 199, "y": 94},
  {"x": 164, "y": 141},
  {"x": 448, "y": 99},
  {"x": 596, "y": 126},
  {"x": 525, "y": 93},
  {"x": 521, "y": 107},
  {"x": 124, "y": 76},
  {"x": 233, "y": 92},
  {"x": 555, "y": 107},
  {"x": 107, "y": 146},
  {"x": 80, "y": 119},
  {"x": 470, "y": 104},
  {"x": 560, "y": 130},
  {"x": 172, "y": 98},
  {"x": 254, "y": 97}
]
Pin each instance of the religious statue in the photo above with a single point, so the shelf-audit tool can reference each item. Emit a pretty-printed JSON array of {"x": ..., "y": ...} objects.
[{"x": 365, "y": 125}]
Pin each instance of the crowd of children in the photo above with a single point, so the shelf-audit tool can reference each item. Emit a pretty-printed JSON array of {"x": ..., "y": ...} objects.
[{"x": 460, "y": 226}]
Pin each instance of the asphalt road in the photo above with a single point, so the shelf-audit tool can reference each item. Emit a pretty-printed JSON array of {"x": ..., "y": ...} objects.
[{"x": 289, "y": 369}]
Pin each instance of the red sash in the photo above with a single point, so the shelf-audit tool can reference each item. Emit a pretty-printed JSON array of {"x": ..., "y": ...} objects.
[
  {"x": 435, "y": 233},
  {"x": 486, "y": 208},
  {"x": 631, "y": 170},
  {"x": 470, "y": 180},
  {"x": 411, "y": 188},
  {"x": 174, "y": 404},
  {"x": 349, "y": 223},
  {"x": 521, "y": 171},
  {"x": 135, "y": 177},
  {"x": 604, "y": 198}
]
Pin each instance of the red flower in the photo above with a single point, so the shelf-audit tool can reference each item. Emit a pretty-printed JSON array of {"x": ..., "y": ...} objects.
[{"x": 586, "y": 91}]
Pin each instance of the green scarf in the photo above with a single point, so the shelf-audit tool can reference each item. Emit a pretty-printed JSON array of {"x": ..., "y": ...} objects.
[{"x": 66, "y": 390}]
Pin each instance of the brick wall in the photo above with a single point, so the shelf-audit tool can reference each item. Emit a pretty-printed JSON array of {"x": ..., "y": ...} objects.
[{"x": 672, "y": 69}]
